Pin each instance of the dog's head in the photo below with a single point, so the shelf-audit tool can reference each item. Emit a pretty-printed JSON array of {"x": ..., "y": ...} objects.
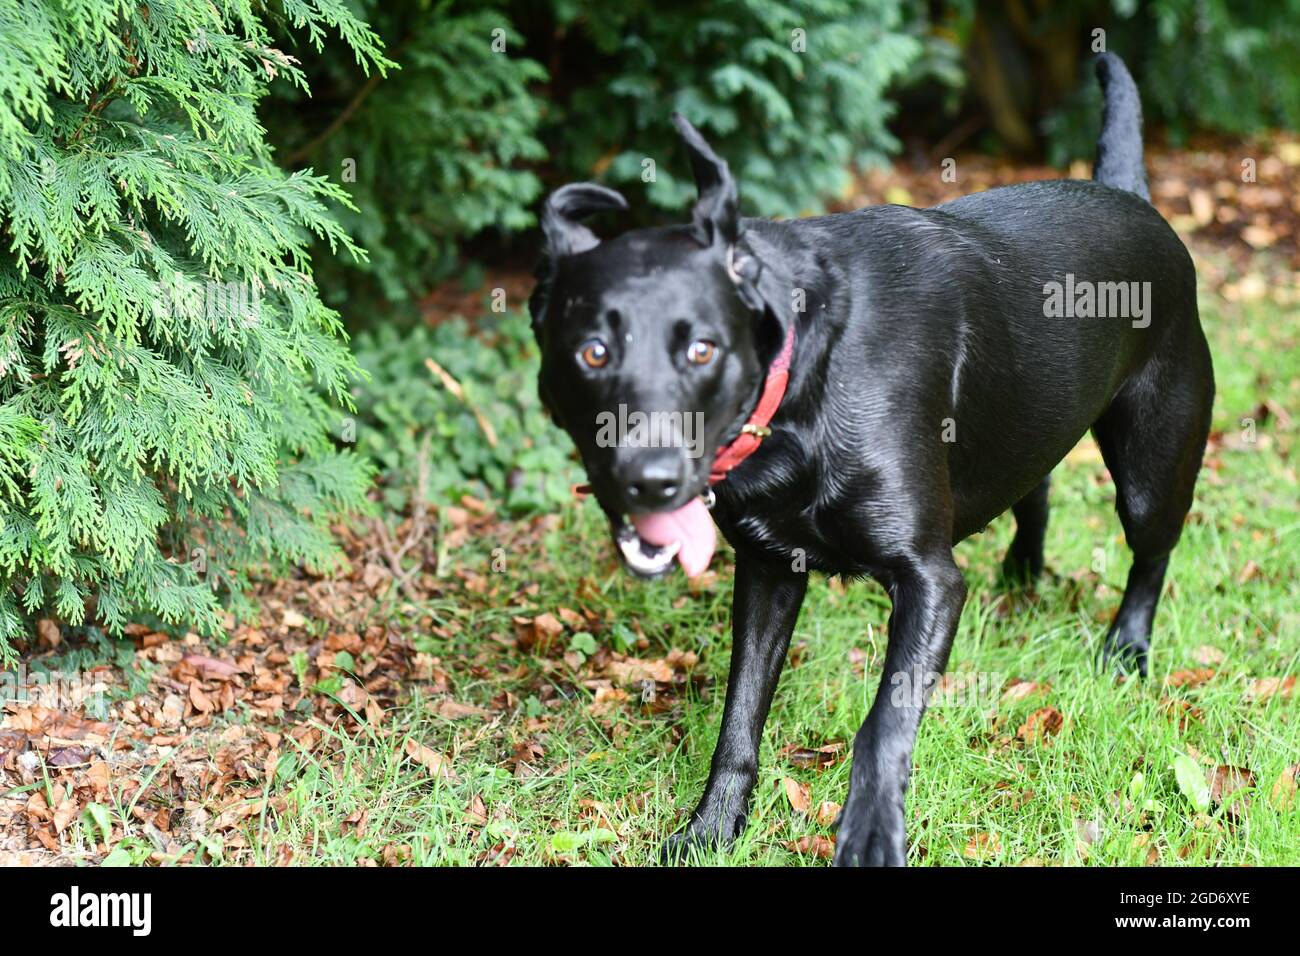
[{"x": 654, "y": 344}]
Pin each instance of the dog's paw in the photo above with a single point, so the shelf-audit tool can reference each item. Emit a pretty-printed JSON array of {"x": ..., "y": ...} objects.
[
  {"x": 677, "y": 848},
  {"x": 873, "y": 837},
  {"x": 700, "y": 835},
  {"x": 1126, "y": 653},
  {"x": 1021, "y": 570}
]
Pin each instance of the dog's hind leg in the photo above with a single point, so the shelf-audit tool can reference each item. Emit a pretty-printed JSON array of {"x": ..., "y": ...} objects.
[
  {"x": 1024, "y": 560},
  {"x": 764, "y": 609},
  {"x": 1152, "y": 438}
]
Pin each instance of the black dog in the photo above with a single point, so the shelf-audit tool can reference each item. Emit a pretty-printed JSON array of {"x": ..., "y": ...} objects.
[{"x": 941, "y": 362}]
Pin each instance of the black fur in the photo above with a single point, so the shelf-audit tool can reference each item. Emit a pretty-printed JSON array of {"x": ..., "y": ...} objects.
[{"x": 929, "y": 393}]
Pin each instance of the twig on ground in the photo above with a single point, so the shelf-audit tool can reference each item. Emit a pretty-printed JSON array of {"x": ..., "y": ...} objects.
[
  {"x": 419, "y": 526},
  {"x": 458, "y": 391}
]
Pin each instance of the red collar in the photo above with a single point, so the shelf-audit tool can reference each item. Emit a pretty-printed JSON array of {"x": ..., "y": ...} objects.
[{"x": 756, "y": 428}]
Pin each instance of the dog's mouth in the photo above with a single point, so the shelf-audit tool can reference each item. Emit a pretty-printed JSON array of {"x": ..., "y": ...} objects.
[
  {"x": 642, "y": 558},
  {"x": 649, "y": 543}
]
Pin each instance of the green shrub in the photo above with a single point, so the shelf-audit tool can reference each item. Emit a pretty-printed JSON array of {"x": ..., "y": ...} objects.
[
  {"x": 791, "y": 93},
  {"x": 1221, "y": 65},
  {"x": 494, "y": 95},
  {"x": 168, "y": 374},
  {"x": 451, "y": 145},
  {"x": 431, "y": 155},
  {"x": 1227, "y": 65},
  {"x": 492, "y": 440}
]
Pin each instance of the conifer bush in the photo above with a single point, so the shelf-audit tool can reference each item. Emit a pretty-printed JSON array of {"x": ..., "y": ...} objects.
[
  {"x": 436, "y": 152},
  {"x": 170, "y": 381}
]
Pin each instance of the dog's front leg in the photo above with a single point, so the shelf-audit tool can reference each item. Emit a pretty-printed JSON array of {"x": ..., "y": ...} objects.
[
  {"x": 927, "y": 596},
  {"x": 764, "y": 609}
]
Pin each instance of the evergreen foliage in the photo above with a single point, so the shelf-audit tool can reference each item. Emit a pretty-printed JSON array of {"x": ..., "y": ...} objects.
[
  {"x": 438, "y": 151},
  {"x": 1221, "y": 65},
  {"x": 1227, "y": 65},
  {"x": 496, "y": 95},
  {"x": 790, "y": 92},
  {"x": 169, "y": 378}
]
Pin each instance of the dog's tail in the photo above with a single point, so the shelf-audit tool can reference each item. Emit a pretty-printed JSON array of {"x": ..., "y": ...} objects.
[{"x": 1119, "y": 148}]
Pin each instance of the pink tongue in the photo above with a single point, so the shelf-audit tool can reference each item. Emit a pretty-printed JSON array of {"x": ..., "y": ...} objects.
[{"x": 690, "y": 525}]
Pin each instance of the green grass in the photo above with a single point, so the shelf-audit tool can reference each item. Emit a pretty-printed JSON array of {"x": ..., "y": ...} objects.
[{"x": 1106, "y": 775}]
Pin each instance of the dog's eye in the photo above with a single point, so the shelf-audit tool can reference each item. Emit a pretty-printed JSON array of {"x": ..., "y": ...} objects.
[
  {"x": 701, "y": 352},
  {"x": 594, "y": 354}
]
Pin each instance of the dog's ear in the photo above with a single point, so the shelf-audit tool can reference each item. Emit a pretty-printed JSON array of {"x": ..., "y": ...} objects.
[
  {"x": 715, "y": 217},
  {"x": 763, "y": 280},
  {"x": 565, "y": 235}
]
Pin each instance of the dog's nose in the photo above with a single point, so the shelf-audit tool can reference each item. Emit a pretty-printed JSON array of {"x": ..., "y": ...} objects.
[{"x": 652, "y": 480}]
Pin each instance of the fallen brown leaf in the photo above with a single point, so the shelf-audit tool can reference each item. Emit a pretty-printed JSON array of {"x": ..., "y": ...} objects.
[
  {"x": 827, "y": 812},
  {"x": 68, "y": 756},
  {"x": 1184, "y": 711},
  {"x": 1208, "y": 655},
  {"x": 211, "y": 666},
  {"x": 1042, "y": 723},
  {"x": 437, "y": 764},
  {"x": 65, "y": 813},
  {"x": 1019, "y": 690},
  {"x": 798, "y": 794},
  {"x": 607, "y": 701},
  {"x": 97, "y": 777},
  {"x": 1224, "y": 782},
  {"x": 200, "y": 701},
  {"x": 48, "y": 633},
  {"x": 476, "y": 812},
  {"x": 1265, "y": 687},
  {"x": 983, "y": 846},
  {"x": 823, "y": 756},
  {"x": 819, "y": 846},
  {"x": 1189, "y": 678},
  {"x": 396, "y": 854},
  {"x": 1285, "y": 787},
  {"x": 455, "y": 711},
  {"x": 572, "y": 618},
  {"x": 630, "y": 670}
]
